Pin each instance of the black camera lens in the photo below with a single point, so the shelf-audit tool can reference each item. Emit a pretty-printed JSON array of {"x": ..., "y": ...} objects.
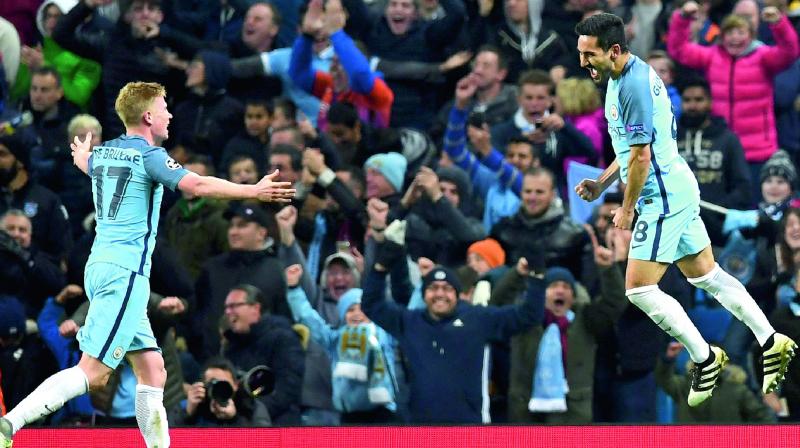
[{"x": 220, "y": 391}]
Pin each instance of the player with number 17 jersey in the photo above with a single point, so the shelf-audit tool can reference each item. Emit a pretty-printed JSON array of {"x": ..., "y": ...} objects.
[
  {"x": 639, "y": 112},
  {"x": 128, "y": 178}
]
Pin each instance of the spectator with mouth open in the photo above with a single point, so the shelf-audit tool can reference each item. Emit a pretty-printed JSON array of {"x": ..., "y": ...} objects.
[{"x": 350, "y": 79}]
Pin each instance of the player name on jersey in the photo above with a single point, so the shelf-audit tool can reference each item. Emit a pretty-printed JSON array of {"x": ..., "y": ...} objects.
[{"x": 124, "y": 155}]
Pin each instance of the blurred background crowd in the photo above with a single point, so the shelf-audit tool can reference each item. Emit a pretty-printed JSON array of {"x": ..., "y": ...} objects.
[{"x": 433, "y": 141}]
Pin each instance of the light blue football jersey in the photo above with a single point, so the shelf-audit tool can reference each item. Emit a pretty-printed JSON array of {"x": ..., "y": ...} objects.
[
  {"x": 639, "y": 111},
  {"x": 128, "y": 176}
]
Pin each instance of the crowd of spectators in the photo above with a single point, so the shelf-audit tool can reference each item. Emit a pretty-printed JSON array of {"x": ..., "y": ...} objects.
[{"x": 430, "y": 269}]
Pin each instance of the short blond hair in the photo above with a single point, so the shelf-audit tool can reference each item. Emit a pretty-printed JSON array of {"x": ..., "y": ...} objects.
[
  {"x": 135, "y": 98},
  {"x": 733, "y": 21},
  {"x": 578, "y": 96},
  {"x": 83, "y": 122}
]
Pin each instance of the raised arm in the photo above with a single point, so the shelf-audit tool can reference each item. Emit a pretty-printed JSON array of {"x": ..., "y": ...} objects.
[
  {"x": 302, "y": 311},
  {"x": 679, "y": 43},
  {"x": 300, "y": 64},
  {"x": 86, "y": 45},
  {"x": 513, "y": 319},
  {"x": 780, "y": 56},
  {"x": 506, "y": 173}
]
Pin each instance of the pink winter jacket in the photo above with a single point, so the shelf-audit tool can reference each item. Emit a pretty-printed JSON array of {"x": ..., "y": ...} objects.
[
  {"x": 741, "y": 88},
  {"x": 594, "y": 126}
]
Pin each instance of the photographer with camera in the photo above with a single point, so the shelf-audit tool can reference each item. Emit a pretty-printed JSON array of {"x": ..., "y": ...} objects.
[{"x": 220, "y": 400}]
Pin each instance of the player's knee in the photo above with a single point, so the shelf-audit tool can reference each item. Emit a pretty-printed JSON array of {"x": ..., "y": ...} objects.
[
  {"x": 640, "y": 295},
  {"x": 98, "y": 380}
]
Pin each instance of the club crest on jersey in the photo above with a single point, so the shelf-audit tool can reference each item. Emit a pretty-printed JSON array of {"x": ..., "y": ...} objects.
[
  {"x": 172, "y": 164},
  {"x": 614, "y": 112},
  {"x": 118, "y": 352},
  {"x": 30, "y": 209}
]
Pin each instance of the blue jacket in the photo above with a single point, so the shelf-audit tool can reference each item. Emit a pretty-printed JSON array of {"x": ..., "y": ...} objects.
[
  {"x": 496, "y": 181},
  {"x": 67, "y": 354},
  {"x": 448, "y": 358},
  {"x": 348, "y": 395}
]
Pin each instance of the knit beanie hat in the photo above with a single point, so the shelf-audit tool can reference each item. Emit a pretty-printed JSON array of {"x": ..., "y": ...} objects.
[
  {"x": 556, "y": 274},
  {"x": 780, "y": 164},
  {"x": 458, "y": 177},
  {"x": 391, "y": 165},
  {"x": 441, "y": 273},
  {"x": 490, "y": 250},
  {"x": 348, "y": 299}
]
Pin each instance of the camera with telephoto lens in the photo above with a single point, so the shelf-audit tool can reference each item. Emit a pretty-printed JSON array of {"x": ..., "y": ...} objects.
[
  {"x": 220, "y": 391},
  {"x": 256, "y": 382}
]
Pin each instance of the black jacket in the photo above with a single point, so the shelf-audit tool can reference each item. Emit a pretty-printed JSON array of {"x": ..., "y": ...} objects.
[
  {"x": 261, "y": 269},
  {"x": 53, "y": 142},
  {"x": 123, "y": 58},
  {"x": 273, "y": 343},
  {"x": 717, "y": 159},
  {"x": 551, "y": 48},
  {"x": 49, "y": 218},
  {"x": 441, "y": 232},
  {"x": 565, "y": 243},
  {"x": 206, "y": 123}
]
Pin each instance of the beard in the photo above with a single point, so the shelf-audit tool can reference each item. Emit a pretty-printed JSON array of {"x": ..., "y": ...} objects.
[
  {"x": 693, "y": 120},
  {"x": 7, "y": 175}
]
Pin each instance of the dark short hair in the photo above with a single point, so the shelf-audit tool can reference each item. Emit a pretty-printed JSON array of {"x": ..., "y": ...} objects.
[
  {"x": 222, "y": 363},
  {"x": 45, "y": 71},
  {"x": 536, "y": 77},
  {"x": 287, "y": 105},
  {"x": 260, "y": 102},
  {"x": 253, "y": 295},
  {"x": 295, "y": 156},
  {"x": 201, "y": 159},
  {"x": 607, "y": 28},
  {"x": 502, "y": 59},
  {"x": 520, "y": 140},
  {"x": 697, "y": 81},
  {"x": 125, "y": 5},
  {"x": 343, "y": 113}
]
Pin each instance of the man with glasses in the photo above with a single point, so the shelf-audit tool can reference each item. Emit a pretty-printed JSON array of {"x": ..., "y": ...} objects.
[
  {"x": 255, "y": 337},
  {"x": 253, "y": 259}
]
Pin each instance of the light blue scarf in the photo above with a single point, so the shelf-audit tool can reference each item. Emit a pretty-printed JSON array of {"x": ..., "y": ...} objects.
[
  {"x": 549, "y": 391},
  {"x": 360, "y": 359},
  {"x": 314, "y": 249}
]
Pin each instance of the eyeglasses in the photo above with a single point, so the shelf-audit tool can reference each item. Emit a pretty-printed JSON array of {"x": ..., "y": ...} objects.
[{"x": 233, "y": 306}]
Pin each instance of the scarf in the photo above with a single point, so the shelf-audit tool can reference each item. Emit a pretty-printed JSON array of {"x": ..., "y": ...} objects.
[
  {"x": 549, "y": 389},
  {"x": 361, "y": 359},
  {"x": 315, "y": 248}
]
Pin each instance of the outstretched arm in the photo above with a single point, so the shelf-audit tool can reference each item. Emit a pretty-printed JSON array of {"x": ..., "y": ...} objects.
[{"x": 265, "y": 190}]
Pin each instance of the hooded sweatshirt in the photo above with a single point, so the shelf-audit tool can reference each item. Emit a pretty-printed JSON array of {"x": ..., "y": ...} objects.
[{"x": 79, "y": 76}]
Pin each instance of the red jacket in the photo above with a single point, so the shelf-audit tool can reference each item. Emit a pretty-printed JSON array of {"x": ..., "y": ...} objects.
[{"x": 741, "y": 87}]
